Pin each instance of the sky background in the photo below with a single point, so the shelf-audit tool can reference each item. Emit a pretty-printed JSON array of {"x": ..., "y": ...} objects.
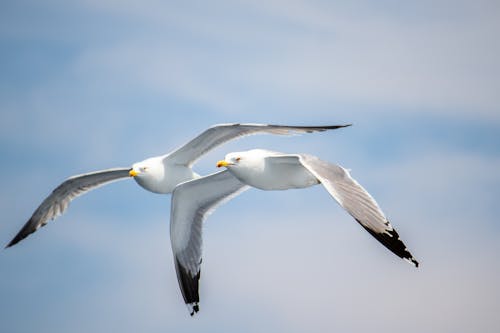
[{"x": 89, "y": 85}]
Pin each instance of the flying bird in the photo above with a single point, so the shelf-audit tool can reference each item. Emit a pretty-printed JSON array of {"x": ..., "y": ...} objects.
[
  {"x": 192, "y": 201},
  {"x": 160, "y": 174}
]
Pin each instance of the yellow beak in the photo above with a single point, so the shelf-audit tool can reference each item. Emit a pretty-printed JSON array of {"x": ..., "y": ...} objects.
[
  {"x": 133, "y": 173},
  {"x": 222, "y": 163}
]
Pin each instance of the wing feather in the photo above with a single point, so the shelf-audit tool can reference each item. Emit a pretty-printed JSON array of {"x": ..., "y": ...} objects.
[
  {"x": 192, "y": 201},
  {"x": 219, "y": 134},
  {"x": 57, "y": 202},
  {"x": 358, "y": 203}
]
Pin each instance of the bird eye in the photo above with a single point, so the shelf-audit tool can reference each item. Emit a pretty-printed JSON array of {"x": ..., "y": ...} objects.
[
  {"x": 238, "y": 159},
  {"x": 144, "y": 168}
]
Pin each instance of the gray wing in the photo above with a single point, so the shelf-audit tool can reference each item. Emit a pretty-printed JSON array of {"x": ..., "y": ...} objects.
[
  {"x": 192, "y": 201},
  {"x": 57, "y": 202},
  {"x": 357, "y": 202},
  {"x": 219, "y": 134}
]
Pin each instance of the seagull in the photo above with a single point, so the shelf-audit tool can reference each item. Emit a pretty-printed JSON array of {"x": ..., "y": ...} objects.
[
  {"x": 160, "y": 174},
  {"x": 194, "y": 200}
]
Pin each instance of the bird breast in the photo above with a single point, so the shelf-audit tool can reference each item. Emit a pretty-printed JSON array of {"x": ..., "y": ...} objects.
[{"x": 276, "y": 176}]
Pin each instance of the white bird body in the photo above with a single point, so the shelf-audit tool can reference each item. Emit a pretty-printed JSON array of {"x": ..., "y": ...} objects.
[
  {"x": 269, "y": 174},
  {"x": 162, "y": 174},
  {"x": 192, "y": 201}
]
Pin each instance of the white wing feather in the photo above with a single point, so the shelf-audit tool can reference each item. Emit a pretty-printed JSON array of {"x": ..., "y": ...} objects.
[
  {"x": 57, "y": 202},
  {"x": 192, "y": 201},
  {"x": 219, "y": 134},
  {"x": 358, "y": 203}
]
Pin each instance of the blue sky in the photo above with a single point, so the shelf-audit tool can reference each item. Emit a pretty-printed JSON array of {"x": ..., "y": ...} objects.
[{"x": 88, "y": 85}]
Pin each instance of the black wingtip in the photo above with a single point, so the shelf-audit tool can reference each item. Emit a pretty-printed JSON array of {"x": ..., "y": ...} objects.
[
  {"x": 15, "y": 240},
  {"x": 390, "y": 239},
  {"x": 412, "y": 261},
  {"x": 415, "y": 262},
  {"x": 23, "y": 233},
  {"x": 325, "y": 128},
  {"x": 337, "y": 126},
  {"x": 189, "y": 287},
  {"x": 194, "y": 309},
  {"x": 307, "y": 129}
]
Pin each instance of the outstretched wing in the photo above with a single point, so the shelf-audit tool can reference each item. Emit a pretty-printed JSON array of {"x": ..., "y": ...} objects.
[
  {"x": 192, "y": 201},
  {"x": 219, "y": 134},
  {"x": 57, "y": 202},
  {"x": 357, "y": 202}
]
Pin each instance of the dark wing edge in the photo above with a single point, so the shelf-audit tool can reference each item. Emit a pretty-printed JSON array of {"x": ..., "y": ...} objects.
[
  {"x": 358, "y": 203},
  {"x": 192, "y": 202},
  {"x": 390, "y": 239},
  {"x": 57, "y": 202},
  {"x": 189, "y": 285}
]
